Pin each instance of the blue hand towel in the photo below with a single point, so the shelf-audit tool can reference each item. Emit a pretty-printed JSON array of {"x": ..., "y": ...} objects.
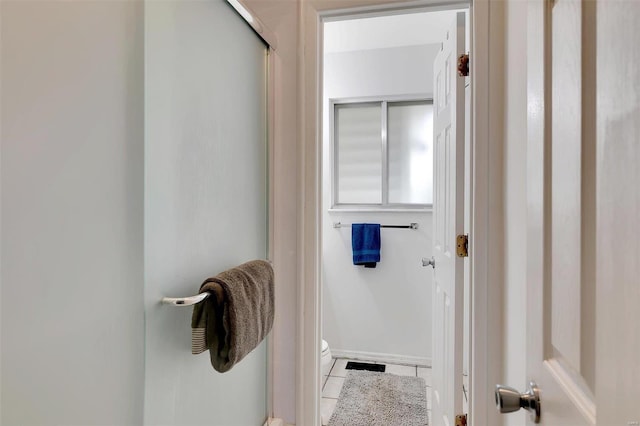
[{"x": 365, "y": 243}]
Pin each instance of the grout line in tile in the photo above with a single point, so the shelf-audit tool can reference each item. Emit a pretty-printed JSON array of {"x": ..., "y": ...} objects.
[{"x": 333, "y": 364}]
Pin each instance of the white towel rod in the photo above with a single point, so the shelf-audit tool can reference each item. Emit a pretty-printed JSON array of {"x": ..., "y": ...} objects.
[{"x": 185, "y": 301}]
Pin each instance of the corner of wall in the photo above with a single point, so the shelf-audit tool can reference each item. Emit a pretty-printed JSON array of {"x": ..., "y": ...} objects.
[{"x": 284, "y": 19}]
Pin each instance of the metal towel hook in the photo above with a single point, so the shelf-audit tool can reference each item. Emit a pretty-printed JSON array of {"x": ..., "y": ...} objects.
[{"x": 185, "y": 301}]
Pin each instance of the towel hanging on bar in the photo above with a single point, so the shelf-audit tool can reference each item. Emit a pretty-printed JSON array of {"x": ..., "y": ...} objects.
[
  {"x": 191, "y": 300},
  {"x": 236, "y": 316},
  {"x": 365, "y": 243}
]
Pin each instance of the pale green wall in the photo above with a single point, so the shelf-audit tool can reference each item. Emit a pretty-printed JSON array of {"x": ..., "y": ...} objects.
[{"x": 72, "y": 212}]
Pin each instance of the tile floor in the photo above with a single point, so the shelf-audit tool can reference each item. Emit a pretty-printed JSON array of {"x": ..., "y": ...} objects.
[{"x": 332, "y": 383}]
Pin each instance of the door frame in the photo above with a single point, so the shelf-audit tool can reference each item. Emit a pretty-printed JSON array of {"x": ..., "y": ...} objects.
[{"x": 485, "y": 229}]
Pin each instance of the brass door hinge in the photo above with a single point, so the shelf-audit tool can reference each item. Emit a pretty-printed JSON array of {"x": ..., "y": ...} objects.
[
  {"x": 463, "y": 65},
  {"x": 462, "y": 245},
  {"x": 461, "y": 420}
]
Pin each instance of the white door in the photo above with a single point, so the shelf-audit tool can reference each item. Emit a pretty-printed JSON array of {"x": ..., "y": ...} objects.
[
  {"x": 560, "y": 324},
  {"x": 449, "y": 221},
  {"x": 582, "y": 291}
]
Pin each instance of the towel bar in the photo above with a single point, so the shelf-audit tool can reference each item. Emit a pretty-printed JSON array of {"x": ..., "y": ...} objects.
[
  {"x": 185, "y": 301},
  {"x": 413, "y": 225},
  {"x": 189, "y": 301}
]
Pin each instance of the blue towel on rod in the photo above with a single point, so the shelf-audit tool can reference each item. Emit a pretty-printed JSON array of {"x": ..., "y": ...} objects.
[{"x": 365, "y": 243}]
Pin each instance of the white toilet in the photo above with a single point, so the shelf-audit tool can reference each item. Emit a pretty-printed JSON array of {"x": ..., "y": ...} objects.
[{"x": 326, "y": 359}]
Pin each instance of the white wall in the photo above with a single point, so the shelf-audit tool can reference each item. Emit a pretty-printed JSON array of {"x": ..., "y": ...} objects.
[
  {"x": 617, "y": 215},
  {"x": 72, "y": 212},
  {"x": 386, "y": 310},
  {"x": 379, "y": 72}
]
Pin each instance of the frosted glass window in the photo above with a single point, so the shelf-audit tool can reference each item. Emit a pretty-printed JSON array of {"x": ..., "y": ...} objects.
[
  {"x": 358, "y": 130},
  {"x": 410, "y": 152},
  {"x": 383, "y": 154}
]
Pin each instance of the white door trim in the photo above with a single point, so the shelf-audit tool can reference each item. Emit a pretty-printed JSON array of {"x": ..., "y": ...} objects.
[{"x": 485, "y": 232}]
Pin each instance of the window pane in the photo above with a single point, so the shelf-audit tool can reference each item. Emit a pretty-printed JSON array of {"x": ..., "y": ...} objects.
[
  {"x": 410, "y": 150},
  {"x": 359, "y": 153}
]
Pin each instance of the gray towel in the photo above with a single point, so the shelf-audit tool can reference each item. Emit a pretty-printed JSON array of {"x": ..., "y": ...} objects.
[{"x": 237, "y": 316}]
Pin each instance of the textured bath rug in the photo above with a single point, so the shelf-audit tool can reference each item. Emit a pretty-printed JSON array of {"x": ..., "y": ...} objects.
[{"x": 368, "y": 398}]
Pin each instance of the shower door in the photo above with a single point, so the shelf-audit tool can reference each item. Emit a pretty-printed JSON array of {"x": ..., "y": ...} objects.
[{"x": 205, "y": 200}]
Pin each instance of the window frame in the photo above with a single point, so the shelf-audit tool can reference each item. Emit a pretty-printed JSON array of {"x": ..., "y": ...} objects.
[{"x": 383, "y": 101}]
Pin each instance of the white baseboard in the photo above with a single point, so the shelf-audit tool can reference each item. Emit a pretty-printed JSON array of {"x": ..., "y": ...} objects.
[
  {"x": 378, "y": 357},
  {"x": 276, "y": 422}
]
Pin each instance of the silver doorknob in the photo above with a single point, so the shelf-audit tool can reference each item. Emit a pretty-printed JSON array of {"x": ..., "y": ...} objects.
[
  {"x": 509, "y": 400},
  {"x": 429, "y": 262}
]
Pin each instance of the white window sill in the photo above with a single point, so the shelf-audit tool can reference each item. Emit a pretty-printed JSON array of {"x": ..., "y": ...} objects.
[{"x": 379, "y": 210}]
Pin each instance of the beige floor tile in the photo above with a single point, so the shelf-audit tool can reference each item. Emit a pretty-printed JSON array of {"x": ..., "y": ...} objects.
[
  {"x": 327, "y": 406},
  {"x": 401, "y": 370},
  {"x": 332, "y": 387},
  {"x": 339, "y": 368},
  {"x": 333, "y": 361},
  {"x": 425, "y": 373}
]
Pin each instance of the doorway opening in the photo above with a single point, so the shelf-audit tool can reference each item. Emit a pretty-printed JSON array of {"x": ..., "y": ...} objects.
[{"x": 377, "y": 167}]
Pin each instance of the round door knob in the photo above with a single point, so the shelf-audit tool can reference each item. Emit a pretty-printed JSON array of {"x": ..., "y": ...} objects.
[
  {"x": 429, "y": 262},
  {"x": 509, "y": 400}
]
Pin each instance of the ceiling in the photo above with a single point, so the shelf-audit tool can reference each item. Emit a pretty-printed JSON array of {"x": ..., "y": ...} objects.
[{"x": 386, "y": 31}]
